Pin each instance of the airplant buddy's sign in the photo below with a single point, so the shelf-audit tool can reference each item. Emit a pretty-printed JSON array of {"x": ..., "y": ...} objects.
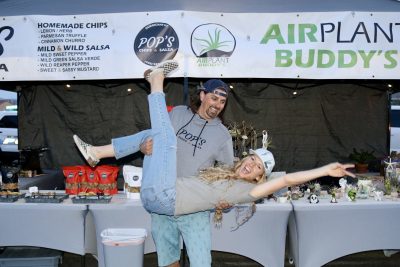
[
  {"x": 328, "y": 32},
  {"x": 328, "y": 45}
]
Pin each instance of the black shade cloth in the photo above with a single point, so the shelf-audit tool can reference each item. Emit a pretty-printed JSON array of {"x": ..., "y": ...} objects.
[{"x": 323, "y": 122}]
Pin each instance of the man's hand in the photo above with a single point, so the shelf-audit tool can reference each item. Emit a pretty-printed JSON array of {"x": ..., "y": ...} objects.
[
  {"x": 147, "y": 147},
  {"x": 223, "y": 205}
]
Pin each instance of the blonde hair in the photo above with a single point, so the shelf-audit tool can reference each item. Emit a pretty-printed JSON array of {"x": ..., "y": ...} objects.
[{"x": 223, "y": 172}]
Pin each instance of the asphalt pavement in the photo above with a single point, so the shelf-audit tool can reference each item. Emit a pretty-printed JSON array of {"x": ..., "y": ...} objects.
[{"x": 221, "y": 259}]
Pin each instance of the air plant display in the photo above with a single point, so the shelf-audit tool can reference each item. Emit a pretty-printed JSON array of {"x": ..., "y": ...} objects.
[{"x": 244, "y": 137}]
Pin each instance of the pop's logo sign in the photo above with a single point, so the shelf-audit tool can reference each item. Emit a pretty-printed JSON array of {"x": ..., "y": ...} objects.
[{"x": 155, "y": 43}]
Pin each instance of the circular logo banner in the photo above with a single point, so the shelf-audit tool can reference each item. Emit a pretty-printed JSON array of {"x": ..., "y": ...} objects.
[
  {"x": 156, "y": 43},
  {"x": 212, "y": 40}
]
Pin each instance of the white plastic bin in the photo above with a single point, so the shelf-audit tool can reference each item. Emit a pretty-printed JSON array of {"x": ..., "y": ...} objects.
[{"x": 123, "y": 247}]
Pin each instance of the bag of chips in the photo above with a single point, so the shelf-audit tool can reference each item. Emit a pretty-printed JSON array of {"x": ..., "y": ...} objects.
[
  {"x": 92, "y": 180},
  {"x": 74, "y": 176},
  {"x": 107, "y": 176}
]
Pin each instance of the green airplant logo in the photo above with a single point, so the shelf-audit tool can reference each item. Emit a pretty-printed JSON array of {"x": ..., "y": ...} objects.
[
  {"x": 212, "y": 40},
  {"x": 213, "y": 43}
]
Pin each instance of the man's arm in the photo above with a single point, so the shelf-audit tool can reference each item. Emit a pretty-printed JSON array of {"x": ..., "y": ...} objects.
[{"x": 225, "y": 154}]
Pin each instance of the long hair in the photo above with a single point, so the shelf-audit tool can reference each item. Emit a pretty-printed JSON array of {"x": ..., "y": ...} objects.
[
  {"x": 218, "y": 173},
  {"x": 224, "y": 172},
  {"x": 195, "y": 103}
]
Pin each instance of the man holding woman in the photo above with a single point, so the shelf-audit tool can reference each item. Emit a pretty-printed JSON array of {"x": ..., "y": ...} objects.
[
  {"x": 162, "y": 192},
  {"x": 202, "y": 140}
]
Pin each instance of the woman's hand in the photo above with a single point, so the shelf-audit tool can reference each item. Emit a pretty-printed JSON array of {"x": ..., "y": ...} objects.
[{"x": 339, "y": 170}]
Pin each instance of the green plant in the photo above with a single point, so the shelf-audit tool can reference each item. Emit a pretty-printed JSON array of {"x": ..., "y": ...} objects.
[
  {"x": 213, "y": 42},
  {"x": 352, "y": 194},
  {"x": 362, "y": 156}
]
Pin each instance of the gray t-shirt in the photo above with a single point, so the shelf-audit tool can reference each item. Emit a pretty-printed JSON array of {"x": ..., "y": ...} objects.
[
  {"x": 194, "y": 194},
  {"x": 200, "y": 143}
]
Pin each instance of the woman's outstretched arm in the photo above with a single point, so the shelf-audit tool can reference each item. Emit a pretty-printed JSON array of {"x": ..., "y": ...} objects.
[{"x": 296, "y": 178}]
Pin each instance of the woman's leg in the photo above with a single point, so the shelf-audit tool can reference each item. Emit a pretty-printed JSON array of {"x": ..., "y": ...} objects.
[
  {"x": 159, "y": 169},
  {"x": 120, "y": 147},
  {"x": 127, "y": 145},
  {"x": 124, "y": 146}
]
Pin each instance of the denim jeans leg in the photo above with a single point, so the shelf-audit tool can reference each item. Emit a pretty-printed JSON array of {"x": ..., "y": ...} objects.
[
  {"x": 127, "y": 145},
  {"x": 159, "y": 169}
]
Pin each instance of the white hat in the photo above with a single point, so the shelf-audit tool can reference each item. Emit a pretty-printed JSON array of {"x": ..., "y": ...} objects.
[{"x": 266, "y": 157}]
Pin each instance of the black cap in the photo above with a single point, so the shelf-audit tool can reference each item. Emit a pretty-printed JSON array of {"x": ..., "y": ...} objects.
[{"x": 211, "y": 85}]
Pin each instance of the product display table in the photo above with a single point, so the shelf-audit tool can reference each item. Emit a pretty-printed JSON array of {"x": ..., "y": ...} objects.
[
  {"x": 262, "y": 238},
  {"x": 320, "y": 233},
  {"x": 59, "y": 226}
]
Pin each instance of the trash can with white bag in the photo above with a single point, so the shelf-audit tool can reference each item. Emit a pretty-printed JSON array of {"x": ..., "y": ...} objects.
[{"x": 123, "y": 247}]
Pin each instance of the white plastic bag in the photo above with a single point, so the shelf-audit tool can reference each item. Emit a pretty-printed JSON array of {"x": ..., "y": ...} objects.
[{"x": 133, "y": 180}]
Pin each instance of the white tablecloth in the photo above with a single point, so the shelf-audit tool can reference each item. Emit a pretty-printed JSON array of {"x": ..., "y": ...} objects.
[
  {"x": 262, "y": 238},
  {"x": 320, "y": 233},
  {"x": 58, "y": 226}
]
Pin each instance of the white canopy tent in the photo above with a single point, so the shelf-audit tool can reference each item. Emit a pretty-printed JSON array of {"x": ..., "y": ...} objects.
[
  {"x": 285, "y": 39},
  {"x": 298, "y": 140},
  {"x": 74, "y": 7}
]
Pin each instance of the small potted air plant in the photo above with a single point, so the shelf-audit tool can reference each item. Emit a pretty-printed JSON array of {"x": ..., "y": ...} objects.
[
  {"x": 296, "y": 193},
  {"x": 395, "y": 191},
  {"x": 361, "y": 159},
  {"x": 335, "y": 192},
  {"x": 315, "y": 188},
  {"x": 352, "y": 194}
]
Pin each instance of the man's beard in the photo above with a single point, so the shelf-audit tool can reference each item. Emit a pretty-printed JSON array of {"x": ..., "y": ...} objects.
[{"x": 213, "y": 112}]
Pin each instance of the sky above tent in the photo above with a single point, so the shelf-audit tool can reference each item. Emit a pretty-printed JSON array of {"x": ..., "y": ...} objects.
[{"x": 64, "y": 7}]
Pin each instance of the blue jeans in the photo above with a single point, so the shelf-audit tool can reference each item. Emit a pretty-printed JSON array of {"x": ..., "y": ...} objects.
[{"x": 158, "y": 189}]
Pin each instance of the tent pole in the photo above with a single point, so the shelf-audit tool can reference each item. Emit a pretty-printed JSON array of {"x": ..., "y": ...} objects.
[
  {"x": 389, "y": 96},
  {"x": 186, "y": 90}
]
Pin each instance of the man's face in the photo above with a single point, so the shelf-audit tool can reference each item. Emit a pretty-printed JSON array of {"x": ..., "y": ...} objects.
[{"x": 211, "y": 104}]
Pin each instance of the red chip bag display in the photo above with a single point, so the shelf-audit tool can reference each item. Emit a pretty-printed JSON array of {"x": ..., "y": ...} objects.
[
  {"x": 92, "y": 181},
  {"x": 107, "y": 176},
  {"x": 85, "y": 179},
  {"x": 74, "y": 175}
]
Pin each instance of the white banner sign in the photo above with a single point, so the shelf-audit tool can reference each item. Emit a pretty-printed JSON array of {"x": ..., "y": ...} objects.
[{"x": 333, "y": 45}]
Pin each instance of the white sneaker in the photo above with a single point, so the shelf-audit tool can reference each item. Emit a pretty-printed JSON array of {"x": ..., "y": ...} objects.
[
  {"x": 86, "y": 151},
  {"x": 167, "y": 67}
]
